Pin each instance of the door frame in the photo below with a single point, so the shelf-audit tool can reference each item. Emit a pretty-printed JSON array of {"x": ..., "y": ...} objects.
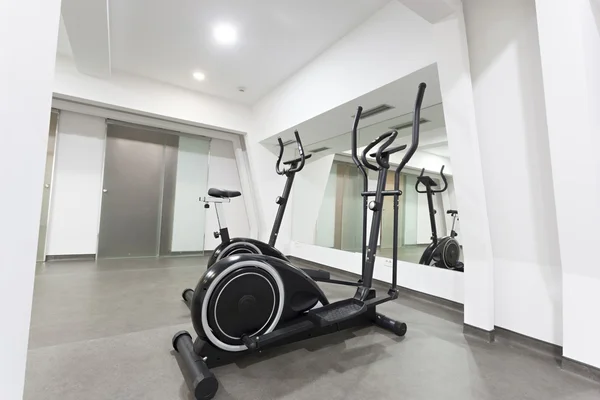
[{"x": 56, "y": 111}]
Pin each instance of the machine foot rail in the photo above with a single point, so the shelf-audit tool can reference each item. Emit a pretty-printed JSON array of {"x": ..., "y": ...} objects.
[{"x": 201, "y": 382}]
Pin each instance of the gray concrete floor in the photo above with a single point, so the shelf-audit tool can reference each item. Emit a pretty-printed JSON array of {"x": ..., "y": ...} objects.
[{"x": 103, "y": 331}]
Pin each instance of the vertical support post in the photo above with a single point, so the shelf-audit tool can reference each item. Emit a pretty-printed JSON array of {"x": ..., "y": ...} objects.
[
  {"x": 367, "y": 276},
  {"x": 364, "y": 225},
  {"x": 223, "y": 229},
  {"x": 434, "y": 236},
  {"x": 282, "y": 201},
  {"x": 395, "y": 235}
]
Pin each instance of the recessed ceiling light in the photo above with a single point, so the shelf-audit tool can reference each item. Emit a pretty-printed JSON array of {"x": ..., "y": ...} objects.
[
  {"x": 199, "y": 76},
  {"x": 225, "y": 34}
]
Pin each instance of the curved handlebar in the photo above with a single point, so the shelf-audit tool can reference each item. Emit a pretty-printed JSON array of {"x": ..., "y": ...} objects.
[
  {"x": 390, "y": 136},
  {"x": 293, "y": 168},
  {"x": 355, "y": 140},
  {"x": 443, "y": 179},
  {"x": 418, "y": 181},
  {"x": 279, "y": 171},
  {"x": 433, "y": 190},
  {"x": 416, "y": 128}
]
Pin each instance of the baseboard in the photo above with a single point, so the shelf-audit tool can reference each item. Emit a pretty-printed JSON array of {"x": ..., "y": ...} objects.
[
  {"x": 401, "y": 289},
  {"x": 189, "y": 253},
  {"x": 528, "y": 342},
  {"x": 580, "y": 369},
  {"x": 470, "y": 330},
  {"x": 71, "y": 257}
]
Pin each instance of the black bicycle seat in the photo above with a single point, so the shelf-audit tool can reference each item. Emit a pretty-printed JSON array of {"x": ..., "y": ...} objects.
[
  {"x": 223, "y": 194},
  {"x": 427, "y": 181}
]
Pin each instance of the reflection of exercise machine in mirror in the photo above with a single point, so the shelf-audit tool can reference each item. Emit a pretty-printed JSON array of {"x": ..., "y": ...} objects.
[{"x": 442, "y": 252}]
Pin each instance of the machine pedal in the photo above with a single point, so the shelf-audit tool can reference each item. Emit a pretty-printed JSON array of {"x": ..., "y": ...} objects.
[
  {"x": 317, "y": 274},
  {"x": 337, "y": 312}
]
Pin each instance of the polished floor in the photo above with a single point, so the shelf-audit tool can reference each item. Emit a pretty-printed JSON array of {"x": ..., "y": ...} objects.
[
  {"x": 409, "y": 253},
  {"x": 102, "y": 331},
  {"x": 405, "y": 253}
]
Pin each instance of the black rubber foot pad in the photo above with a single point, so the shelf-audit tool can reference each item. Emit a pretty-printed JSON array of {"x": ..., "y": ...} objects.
[{"x": 337, "y": 312}]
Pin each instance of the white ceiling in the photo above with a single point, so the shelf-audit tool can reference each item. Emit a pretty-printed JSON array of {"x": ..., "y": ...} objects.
[
  {"x": 332, "y": 129},
  {"x": 169, "y": 40}
]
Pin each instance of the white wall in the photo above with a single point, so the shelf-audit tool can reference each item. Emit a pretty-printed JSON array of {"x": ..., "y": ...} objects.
[
  {"x": 77, "y": 185},
  {"x": 570, "y": 55},
  {"x": 513, "y": 140},
  {"x": 141, "y": 95},
  {"x": 223, "y": 173},
  {"x": 28, "y": 42},
  {"x": 190, "y": 183}
]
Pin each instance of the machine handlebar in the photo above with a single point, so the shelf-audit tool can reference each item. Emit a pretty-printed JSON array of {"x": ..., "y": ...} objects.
[
  {"x": 430, "y": 185},
  {"x": 296, "y": 164},
  {"x": 383, "y": 163},
  {"x": 416, "y": 128}
]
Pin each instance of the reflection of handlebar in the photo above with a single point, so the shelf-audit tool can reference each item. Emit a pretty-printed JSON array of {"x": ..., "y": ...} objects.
[
  {"x": 431, "y": 180},
  {"x": 415, "y": 126},
  {"x": 355, "y": 142},
  {"x": 445, "y": 181},
  {"x": 294, "y": 168},
  {"x": 390, "y": 136}
]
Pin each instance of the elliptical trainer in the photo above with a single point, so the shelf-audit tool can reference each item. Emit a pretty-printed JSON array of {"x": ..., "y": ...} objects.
[
  {"x": 246, "y": 303},
  {"x": 444, "y": 252}
]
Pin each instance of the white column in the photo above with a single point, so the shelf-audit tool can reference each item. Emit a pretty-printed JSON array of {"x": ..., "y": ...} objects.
[
  {"x": 459, "y": 113},
  {"x": 569, "y": 35},
  {"x": 28, "y": 38},
  {"x": 508, "y": 98}
]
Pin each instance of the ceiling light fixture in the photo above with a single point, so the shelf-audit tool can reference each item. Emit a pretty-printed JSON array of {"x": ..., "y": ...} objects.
[
  {"x": 225, "y": 34},
  {"x": 199, "y": 76}
]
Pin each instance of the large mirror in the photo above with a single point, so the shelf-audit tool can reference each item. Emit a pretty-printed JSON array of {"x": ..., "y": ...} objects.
[{"x": 327, "y": 206}]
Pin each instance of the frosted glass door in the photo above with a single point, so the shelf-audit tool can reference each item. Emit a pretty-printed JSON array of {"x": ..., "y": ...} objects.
[{"x": 191, "y": 181}]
